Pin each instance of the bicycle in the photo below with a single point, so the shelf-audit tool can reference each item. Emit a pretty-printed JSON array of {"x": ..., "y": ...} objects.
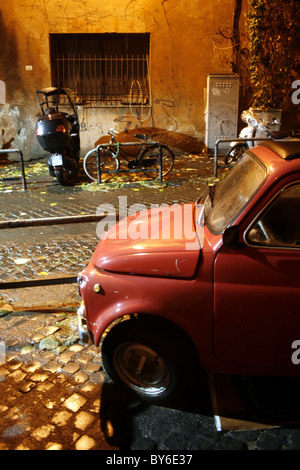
[{"x": 146, "y": 159}]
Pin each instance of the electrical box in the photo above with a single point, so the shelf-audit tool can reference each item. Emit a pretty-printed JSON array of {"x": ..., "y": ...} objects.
[{"x": 222, "y": 107}]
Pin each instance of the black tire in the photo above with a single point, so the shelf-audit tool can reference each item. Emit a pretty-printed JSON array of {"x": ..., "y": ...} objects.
[
  {"x": 108, "y": 165},
  {"x": 146, "y": 360},
  {"x": 150, "y": 161},
  {"x": 235, "y": 153},
  {"x": 61, "y": 176}
]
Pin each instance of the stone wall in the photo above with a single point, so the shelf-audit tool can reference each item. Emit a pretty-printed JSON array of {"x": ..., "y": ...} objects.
[{"x": 186, "y": 45}]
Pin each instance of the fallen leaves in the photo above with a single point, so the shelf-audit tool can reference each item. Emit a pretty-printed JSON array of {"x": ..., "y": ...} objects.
[{"x": 21, "y": 261}]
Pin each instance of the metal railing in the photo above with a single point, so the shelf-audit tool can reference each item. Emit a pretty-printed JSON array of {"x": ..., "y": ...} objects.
[
  {"x": 128, "y": 144},
  {"x": 238, "y": 139}
]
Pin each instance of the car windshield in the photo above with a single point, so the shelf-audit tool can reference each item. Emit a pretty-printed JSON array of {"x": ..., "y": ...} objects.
[{"x": 227, "y": 198}]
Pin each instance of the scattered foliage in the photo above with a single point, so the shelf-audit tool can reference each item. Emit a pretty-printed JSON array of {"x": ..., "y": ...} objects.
[{"x": 273, "y": 28}]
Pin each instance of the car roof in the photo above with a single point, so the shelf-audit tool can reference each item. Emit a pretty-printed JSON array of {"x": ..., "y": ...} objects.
[{"x": 286, "y": 149}]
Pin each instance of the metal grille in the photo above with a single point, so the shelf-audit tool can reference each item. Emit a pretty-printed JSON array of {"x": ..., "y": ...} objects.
[{"x": 102, "y": 69}]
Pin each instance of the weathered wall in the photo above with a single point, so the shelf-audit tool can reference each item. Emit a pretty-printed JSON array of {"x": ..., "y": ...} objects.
[{"x": 185, "y": 47}]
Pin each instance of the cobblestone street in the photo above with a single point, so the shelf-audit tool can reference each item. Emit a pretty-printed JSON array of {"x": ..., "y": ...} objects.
[
  {"x": 49, "y": 400},
  {"x": 56, "y": 396},
  {"x": 54, "y": 392}
]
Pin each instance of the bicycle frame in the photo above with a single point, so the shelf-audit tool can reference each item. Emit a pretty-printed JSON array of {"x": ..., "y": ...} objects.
[
  {"x": 118, "y": 145},
  {"x": 113, "y": 134}
]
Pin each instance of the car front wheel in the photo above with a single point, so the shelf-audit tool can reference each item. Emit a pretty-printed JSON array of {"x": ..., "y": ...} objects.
[{"x": 147, "y": 362}]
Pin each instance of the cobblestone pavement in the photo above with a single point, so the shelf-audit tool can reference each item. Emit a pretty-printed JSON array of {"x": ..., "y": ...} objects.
[
  {"x": 50, "y": 386},
  {"x": 44, "y": 252},
  {"x": 46, "y": 199},
  {"x": 54, "y": 393}
]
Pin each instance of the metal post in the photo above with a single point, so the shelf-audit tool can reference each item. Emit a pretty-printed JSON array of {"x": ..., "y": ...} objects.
[
  {"x": 98, "y": 166},
  {"x": 216, "y": 159},
  {"x": 101, "y": 147},
  {"x": 22, "y": 170},
  {"x": 160, "y": 162},
  {"x": 238, "y": 139},
  {"x": 21, "y": 163}
]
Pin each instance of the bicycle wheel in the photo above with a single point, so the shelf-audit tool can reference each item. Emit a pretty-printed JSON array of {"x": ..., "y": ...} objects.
[
  {"x": 108, "y": 164},
  {"x": 149, "y": 161},
  {"x": 235, "y": 153}
]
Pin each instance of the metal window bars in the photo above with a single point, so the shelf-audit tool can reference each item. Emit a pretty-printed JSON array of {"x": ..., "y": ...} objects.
[{"x": 109, "y": 80}]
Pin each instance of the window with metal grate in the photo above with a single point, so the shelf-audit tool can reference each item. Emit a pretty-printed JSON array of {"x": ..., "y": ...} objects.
[{"x": 110, "y": 69}]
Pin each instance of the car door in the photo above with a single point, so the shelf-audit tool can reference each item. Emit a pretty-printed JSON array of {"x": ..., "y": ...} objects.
[{"x": 257, "y": 288}]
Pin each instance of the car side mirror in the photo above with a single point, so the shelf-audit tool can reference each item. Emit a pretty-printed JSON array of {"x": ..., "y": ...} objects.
[{"x": 231, "y": 237}]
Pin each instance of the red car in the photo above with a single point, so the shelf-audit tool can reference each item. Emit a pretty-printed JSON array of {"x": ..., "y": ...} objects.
[{"x": 216, "y": 282}]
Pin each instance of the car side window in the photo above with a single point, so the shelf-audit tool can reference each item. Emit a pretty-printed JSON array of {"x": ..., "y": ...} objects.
[{"x": 279, "y": 224}]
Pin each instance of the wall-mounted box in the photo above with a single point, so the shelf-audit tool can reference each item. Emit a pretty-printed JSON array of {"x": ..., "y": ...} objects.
[{"x": 221, "y": 109}]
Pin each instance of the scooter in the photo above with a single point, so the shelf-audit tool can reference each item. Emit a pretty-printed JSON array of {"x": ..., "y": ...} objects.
[
  {"x": 57, "y": 131},
  {"x": 255, "y": 129}
]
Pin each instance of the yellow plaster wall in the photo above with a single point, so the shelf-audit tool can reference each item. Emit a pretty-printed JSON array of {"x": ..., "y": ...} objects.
[{"x": 185, "y": 47}]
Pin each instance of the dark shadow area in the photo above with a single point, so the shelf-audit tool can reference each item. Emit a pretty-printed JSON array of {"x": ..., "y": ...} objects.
[
  {"x": 255, "y": 402},
  {"x": 251, "y": 404},
  {"x": 271, "y": 398},
  {"x": 116, "y": 414},
  {"x": 130, "y": 424}
]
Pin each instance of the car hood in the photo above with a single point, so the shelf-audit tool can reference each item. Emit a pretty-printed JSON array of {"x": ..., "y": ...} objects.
[{"x": 158, "y": 242}]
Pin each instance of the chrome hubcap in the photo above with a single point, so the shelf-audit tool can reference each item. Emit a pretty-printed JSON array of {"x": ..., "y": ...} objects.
[{"x": 141, "y": 368}]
